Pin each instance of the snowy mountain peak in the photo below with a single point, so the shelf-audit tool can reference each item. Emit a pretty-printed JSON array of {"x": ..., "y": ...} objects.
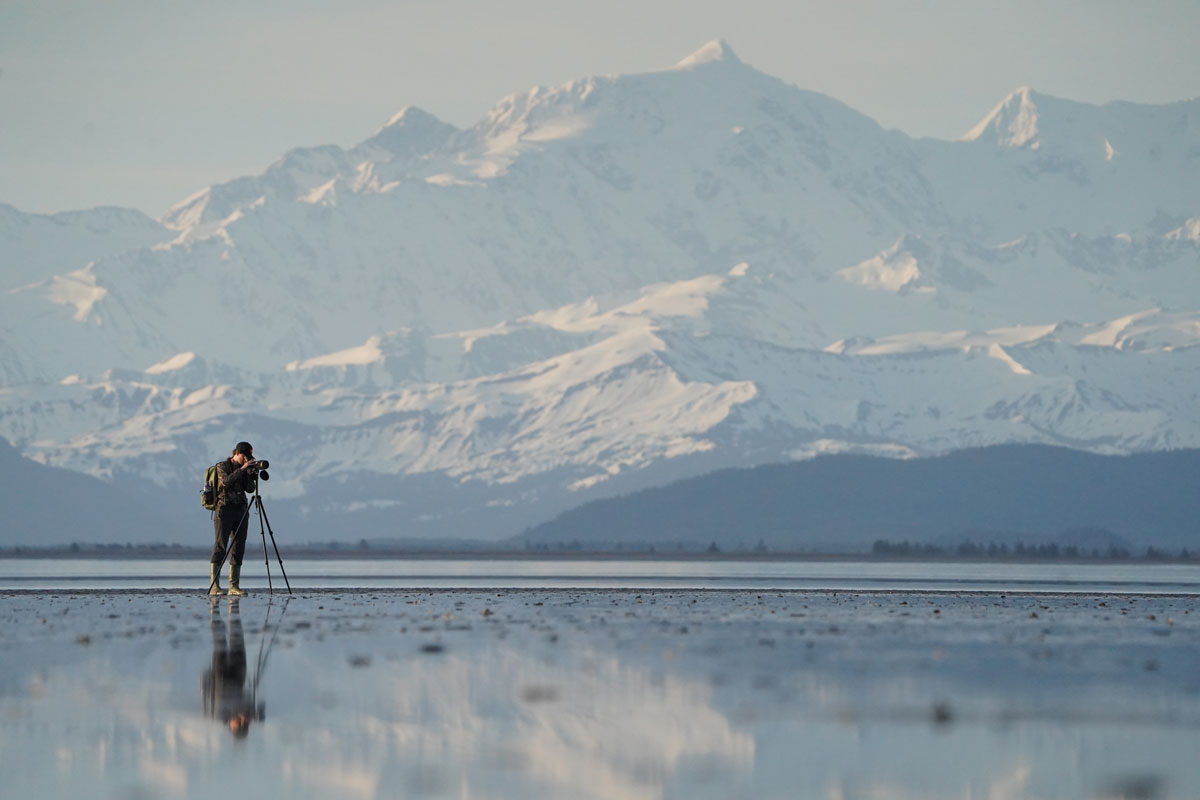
[
  {"x": 1014, "y": 122},
  {"x": 411, "y": 131},
  {"x": 410, "y": 121},
  {"x": 409, "y": 115},
  {"x": 716, "y": 51}
]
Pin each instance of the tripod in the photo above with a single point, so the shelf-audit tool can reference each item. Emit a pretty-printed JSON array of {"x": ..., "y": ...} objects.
[
  {"x": 264, "y": 527},
  {"x": 264, "y": 655}
]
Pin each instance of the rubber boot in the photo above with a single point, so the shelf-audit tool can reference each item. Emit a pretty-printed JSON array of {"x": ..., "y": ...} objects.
[
  {"x": 235, "y": 575},
  {"x": 214, "y": 578}
]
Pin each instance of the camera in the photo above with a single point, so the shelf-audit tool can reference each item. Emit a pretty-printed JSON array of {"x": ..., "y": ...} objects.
[{"x": 259, "y": 469}]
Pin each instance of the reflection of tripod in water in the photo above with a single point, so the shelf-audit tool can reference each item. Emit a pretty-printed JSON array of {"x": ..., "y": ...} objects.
[{"x": 264, "y": 527}]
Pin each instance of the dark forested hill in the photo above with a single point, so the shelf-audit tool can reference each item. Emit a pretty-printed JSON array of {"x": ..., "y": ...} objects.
[
  {"x": 48, "y": 506},
  {"x": 843, "y": 503}
]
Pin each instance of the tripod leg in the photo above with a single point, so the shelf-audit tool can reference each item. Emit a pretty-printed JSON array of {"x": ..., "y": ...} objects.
[
  {"x": 263, "y": 512},
  {"x": 266, "y": 560}
]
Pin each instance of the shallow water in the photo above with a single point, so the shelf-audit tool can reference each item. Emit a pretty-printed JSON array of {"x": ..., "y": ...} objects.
[
  {"x": 584, "y": 693},
  {"x": 570, "y": 573}
]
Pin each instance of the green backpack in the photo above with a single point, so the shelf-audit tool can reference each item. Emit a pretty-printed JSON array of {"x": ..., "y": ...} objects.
[{"x": 208, "y": 495}]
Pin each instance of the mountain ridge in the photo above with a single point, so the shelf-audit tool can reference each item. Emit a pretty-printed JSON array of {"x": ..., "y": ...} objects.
[
  {"x": 618, "y": 281},
  {"x": 48, "y": 506},
  {"x": 844, "y": 503}
]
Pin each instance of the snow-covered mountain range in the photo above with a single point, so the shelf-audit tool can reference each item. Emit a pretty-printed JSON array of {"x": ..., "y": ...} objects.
[{"x": 610, "y": 284}]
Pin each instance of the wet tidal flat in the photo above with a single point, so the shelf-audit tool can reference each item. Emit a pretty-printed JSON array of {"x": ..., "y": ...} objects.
[{"x": 521, "y": 693}]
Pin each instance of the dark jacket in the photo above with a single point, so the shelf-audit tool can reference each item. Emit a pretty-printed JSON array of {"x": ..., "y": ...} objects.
[{"x": 233, "y": 484}]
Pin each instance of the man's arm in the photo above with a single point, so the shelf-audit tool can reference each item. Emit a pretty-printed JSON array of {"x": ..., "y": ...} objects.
[
  {"x": 247, "y": 478},
  {"x": 233, "y": 478}
]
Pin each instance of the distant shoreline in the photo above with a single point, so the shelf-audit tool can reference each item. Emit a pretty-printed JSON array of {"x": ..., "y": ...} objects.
[{"x": 122, "y": 553}]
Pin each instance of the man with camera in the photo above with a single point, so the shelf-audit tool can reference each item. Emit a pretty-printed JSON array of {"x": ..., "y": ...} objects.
[{"x": 236, "y": 477}]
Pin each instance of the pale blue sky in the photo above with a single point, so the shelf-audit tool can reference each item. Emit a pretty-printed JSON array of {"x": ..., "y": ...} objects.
[{"x": 141, "y": 102}]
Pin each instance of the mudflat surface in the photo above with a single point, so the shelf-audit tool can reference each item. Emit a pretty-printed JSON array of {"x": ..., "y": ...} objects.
[{"x": 584, "y": 693}]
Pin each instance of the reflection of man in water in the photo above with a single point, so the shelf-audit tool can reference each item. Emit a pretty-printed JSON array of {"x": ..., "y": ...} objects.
[{"x": 224, "y": 684}]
